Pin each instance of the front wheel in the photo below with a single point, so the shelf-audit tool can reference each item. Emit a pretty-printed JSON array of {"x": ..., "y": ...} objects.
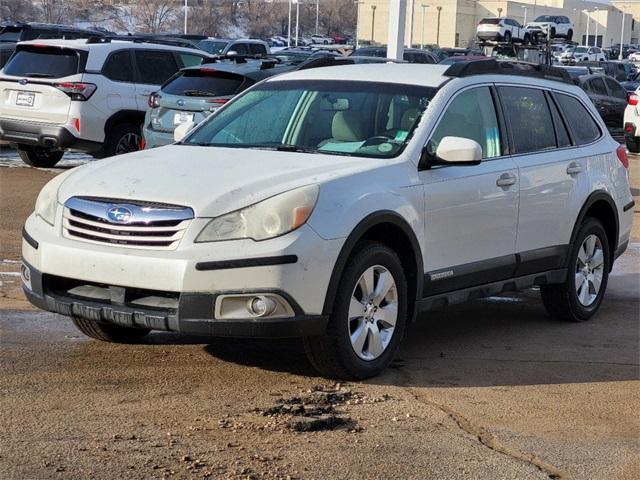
[
  {"x": 580, "y": 296},
  {"x": 39, "y": 156},
  {"x": 368, "y": 318},
  {"x": 123, "y": 138},
  {"x": 109, "y": 333}
]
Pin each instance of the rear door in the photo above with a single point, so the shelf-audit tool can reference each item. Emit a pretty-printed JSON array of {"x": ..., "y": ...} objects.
[
  {"x": 600, "y": 97},
  {"x": 27, "y": 90},
  {"x": 618, "y": 98},
  {"x": 153, "y": 68}
]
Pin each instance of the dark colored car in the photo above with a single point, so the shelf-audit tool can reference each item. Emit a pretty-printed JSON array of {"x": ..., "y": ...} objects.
[
  {"x": 296, "y": 56},
  {"x": 411, "y": 55},
  {"x": 609, "y": 97},
  {"x": 630, "y": 86},
  {"x": 451, "y": 52},
  {"x": 19, "y": 32},
  {"x": 6, "y": 50},
  {"x": 462, "y": 58},
  {"x": 621, "y": 71}
]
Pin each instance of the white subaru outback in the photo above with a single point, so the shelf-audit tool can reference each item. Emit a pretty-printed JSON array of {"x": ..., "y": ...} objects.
[{"x": 336, "y": 204}]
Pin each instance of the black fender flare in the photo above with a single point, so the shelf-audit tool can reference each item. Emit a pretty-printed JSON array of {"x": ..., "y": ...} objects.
[
  {"x": 370, "y": 221},
  {"x": 598, "y": 195}
]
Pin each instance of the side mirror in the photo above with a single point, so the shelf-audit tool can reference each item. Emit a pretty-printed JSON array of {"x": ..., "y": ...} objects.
[
  {"x": 181, "y": 130},
  {"x": 459, "y": 151},
  {"x": 232, "y": 53}
]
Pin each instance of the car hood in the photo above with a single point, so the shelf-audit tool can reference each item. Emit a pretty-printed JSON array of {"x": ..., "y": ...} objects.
[{"x": 210, "y": 180}]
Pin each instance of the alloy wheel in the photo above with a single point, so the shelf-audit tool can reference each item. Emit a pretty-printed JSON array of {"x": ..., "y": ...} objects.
[
  {"x": 589, "y": 270},
  {"x": 129, "y": 142}
]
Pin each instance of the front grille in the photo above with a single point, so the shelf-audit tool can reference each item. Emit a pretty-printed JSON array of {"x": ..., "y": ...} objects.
[{"x": 146, "y": 225}]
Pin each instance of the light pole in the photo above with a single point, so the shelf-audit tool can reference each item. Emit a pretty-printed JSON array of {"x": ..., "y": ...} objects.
[
  {"x": 524, "y": 22},
  {"x": 411, "y": 9},
  {"x": 588, "y": 22},
  {"x": 357, "y": 2},
  {"x": 499, "y": 11},
  {"x": 317, "y": 14},
  {"x": 438, "y": 27},
  {"x": 297, "y": 19},
  {"x": 186, "y": 6},
  {"x": 621, "y": 36},
  {"x": 289, "y": 28},
  {"x": 373, "y": 20},
  {"x": 595, "y": 42},
  {"x": 424, "y": 7}
]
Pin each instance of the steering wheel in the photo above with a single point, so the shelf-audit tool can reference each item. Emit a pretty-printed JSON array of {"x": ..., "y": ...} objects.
[{"x": 377, "y": 140}]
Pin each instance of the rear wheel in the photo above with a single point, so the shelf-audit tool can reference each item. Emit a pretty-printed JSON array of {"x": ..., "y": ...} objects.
[
  {"x": 507, "y": 37},
  {"x": 553, "y": 33},
  {"x": 39, "y": 156},
  {"x": 368, "y": 318},
  {"x": 580, "y": 296},
  {"x": 569, "y": 35},
  {"x": 109, "y": 333},
  {"x": 123, "y": 138},
  {"x": 633, "y": 144}
]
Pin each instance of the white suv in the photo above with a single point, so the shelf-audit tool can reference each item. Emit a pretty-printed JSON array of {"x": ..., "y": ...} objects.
[
  {"x": 86, "y": 95},
  {"x": 551, "y": 26},
  {"x": 501, "y": 29},
  {"x": 328, "y": 205}
]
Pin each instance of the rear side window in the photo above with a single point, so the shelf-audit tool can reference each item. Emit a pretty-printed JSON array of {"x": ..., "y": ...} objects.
[
  {"x": 239, "y": 48},
  {"x": 562, "y": 133},
  {"x": 5, "y": 54},
  {"x": 615, "y": 88},
  {"x": 155, "y": 67},
  {"x": 596, "y": 85},
  {"x": 257, "y": 49},
  {"x": 188, "y": 60},
  {"x": 204, "y": 83},
  {"x": 490, "y": 21},
  {"x": 585, "y": 129},
  {"x": 8, "y": 34},
  {"x": 470, "y": 115},
  {"x": 529, "y": 119},
  {"x": 43, "y": 63},
  {"x": 118, "y": 67}
]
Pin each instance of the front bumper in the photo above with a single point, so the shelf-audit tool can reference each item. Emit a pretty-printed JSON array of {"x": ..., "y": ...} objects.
[
  {"x": 192, "y": 277},
  {"x": 55, "y": 137}
]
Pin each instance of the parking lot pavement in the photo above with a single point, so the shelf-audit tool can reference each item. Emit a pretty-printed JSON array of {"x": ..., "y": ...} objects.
[{"x": 491, "y": 389}]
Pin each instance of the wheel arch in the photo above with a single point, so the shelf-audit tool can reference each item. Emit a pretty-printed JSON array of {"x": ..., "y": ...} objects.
[
  {"x": 123, "y": 116},
  {"x": 393, "y": 230},
  {"x": 601, "y": 206}
]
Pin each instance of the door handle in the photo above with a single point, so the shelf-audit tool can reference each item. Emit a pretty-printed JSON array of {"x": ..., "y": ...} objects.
[
  {"x": 574, "y": 168},
  {"x": 506, "y": 180}
]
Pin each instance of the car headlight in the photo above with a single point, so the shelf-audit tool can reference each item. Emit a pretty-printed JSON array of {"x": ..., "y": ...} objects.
[
  {"x": 47, "y": 201},
  {"x": 269, "y": 218}
]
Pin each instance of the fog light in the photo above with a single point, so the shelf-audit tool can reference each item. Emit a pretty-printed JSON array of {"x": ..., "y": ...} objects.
[
  {"x": 261, "y": 306},
  {"x": 25, "y": 274}
]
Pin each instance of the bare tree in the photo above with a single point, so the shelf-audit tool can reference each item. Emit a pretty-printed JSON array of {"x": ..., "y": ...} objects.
[
  {"x": 17, "y": 10},
  {"x": 154, "y": 15}
]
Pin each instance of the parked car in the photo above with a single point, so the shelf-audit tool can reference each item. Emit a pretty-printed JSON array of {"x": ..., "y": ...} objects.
[
  {"x": 222, "y": 47},
  {"x": 609, "y": 97},
  {"x": 195, "y": 92},
  {"x": 6, "y": 50},
  {"x": 339, "y": 38},
  {"x": 20, "y": 32},
  {"x": 551, "y": 26},
  {"x": 452, "y": 52},
  {"x": 326, "y": 205},
  {"x": 630, "y": 86},
  {"x": 84, "y": 95},
  {"x": 299, "y": 55},
  {"x": 411, "y": 55},
  {"x": 621, "y": 71},
  {"x": 632, "y": 121},
  {"x": 321, "y": 39},
  {"x": 462, "y": 58},
  {"x": 572, "y": 56},
  {"x": 502, "y": 29}
]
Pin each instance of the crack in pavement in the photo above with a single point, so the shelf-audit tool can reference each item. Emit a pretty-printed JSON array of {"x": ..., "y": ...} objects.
[{"x": 485, "y": 437}]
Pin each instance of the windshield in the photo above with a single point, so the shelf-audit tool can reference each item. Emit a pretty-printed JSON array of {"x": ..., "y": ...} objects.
[
  {"x": 318, "y": 116},
  {"x": 545, "y": 18},
  {"x": 579, "y": 50},
  {"x": 215, "y": 48},
  {"x": 10, "y": 34}
]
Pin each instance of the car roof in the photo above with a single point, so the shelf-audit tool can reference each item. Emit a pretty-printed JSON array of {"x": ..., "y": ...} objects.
[{"x": 83, "y": 44}]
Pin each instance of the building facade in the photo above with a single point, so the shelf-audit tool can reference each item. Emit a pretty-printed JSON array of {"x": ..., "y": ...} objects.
[{"x": 452, "y": 23}]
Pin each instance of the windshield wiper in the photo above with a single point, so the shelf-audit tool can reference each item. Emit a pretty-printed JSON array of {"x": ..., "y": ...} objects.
[
  {"x": 199, "y": 93},
  {"x": 287, "y": 147}
]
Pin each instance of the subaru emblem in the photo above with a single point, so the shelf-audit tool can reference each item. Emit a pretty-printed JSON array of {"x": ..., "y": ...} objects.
[
  {"x": 119, "y": 214},
  {"x": 23, "y": 81},
  {"x": 181, "y": 103}
]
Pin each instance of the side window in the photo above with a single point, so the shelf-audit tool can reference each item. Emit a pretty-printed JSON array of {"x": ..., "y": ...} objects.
[
  {"x": 615, "y": 88},
  {"x": 529, "y": 119},
  {"x": 585, "y": 129},
  {"x": 188, "y": 60},
  {"x": 240, "y": 48},
  {"x": 562, "y": 133},
  {"x": 155, "y": 67},
  {"x": 257, "y": 49},
  {"x": 597, "y": 86},
  {"x": 470, "y": 115},
  {"x": 118, "y": 67}
]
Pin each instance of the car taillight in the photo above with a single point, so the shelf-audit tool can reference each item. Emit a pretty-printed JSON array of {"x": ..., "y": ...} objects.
[
  {"x": 633, "y": 99},
  {"x": 621, "y": 152},
  {"x": 143, "y": 143},
  {"x": 218, "y": 101},
  {"x": 77, "y": 90},
  {"x": 154, "y": 100}
]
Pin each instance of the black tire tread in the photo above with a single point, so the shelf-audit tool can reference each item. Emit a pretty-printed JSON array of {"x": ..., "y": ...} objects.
[
  {"x": 29, "y": 156},
  {"x": 111, "y": 140},
  {"x": 109, "y": 333}
]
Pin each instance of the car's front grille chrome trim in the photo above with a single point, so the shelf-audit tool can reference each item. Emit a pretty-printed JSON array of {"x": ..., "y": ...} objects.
[{"x": 125, "y": 223}]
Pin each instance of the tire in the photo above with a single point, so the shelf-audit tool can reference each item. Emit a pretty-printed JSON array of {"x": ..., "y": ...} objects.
[
  {"x": 569, "y": 35},
  {"x": 633, "y": 145},
  {"x": 123, "y": 138},
  {"x": 527, "y": 39},
  {"x": 333, "y": 353},
  {"x": 39, "y": 156},
  {"x": 564, "y": 300},
  {"x": 109, "y": 333},
  {"x": 507, "y": 37},
  {"x": 553, "y": 33}
]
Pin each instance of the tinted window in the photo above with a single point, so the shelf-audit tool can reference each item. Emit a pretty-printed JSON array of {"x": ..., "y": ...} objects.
[
  {"x": 490, "y": 21},
  {"x": 562, "y": 133},
  {"x": 216, "y": 48},
  {"x": 585, "y": 129},
  {"x": 5, "y": 53},
  {"x": 257, "y": 49},
  {"x": 43, "y": 62},
  {"x": 187, "y": 60},
  {"x": 10, "y": 34},
  {"x": 615, "y": 88},
  {"x": 239, "y": 48},
  {"x": 204, "y": 83},
  {"x": 155, "y": 67},
  {"x": 529, "y": 119},
  {"x": 470, "y": 115},
  {"x": 118, "y": 67},
  {"x": 596, "y": 85}
]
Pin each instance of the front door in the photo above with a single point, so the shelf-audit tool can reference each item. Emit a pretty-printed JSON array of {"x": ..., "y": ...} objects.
[{"x": 471, "y": 212}]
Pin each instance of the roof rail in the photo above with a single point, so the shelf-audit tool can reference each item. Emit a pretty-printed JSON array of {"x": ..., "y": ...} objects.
[
  {"x": 493, "y": 67},
  {"x": 155, "y": 39}
]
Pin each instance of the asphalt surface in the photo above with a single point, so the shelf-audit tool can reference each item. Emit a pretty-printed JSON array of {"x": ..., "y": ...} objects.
[{"x": 492, "y": 389}]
